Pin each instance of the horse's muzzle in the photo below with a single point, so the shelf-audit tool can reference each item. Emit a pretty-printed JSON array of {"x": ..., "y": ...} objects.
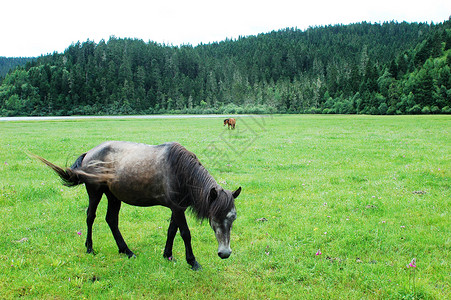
[{"x": 224, "y": 253}]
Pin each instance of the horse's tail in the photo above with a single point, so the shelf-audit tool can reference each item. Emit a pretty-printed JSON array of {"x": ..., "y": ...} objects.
[
  {"x": 94, "y": 173},
  {"x": 77, "y": 163}
]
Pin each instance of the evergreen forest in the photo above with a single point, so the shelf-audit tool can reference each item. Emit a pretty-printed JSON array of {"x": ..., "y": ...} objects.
[
  {"x": 8, "y": 63},
  {"x": 362, "y": 68}
]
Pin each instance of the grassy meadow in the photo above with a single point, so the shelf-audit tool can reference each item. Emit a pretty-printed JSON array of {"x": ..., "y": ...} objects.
[{"x": 331, "y": 207}]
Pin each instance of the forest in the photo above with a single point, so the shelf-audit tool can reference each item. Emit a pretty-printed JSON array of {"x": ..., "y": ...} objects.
[
  {"x": 8, "y": 63},
  {"x": 362, "y": 68}
]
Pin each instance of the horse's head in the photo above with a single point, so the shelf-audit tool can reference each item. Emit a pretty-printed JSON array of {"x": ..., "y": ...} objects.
[
  {"x": 221, "y": 222},
  {"x": 226, "y": 121}
]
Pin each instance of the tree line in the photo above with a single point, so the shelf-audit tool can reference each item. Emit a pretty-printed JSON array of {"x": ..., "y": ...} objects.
[
  {"x": 8, "y": 63},
  {"x": 363, "y": 68}
]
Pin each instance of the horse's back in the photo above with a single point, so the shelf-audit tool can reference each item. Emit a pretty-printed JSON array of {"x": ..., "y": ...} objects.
[
  {"x": 141, "y": 171},
  {"x": 119, "y": 151}
]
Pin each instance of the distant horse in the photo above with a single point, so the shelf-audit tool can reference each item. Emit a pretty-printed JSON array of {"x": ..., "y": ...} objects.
[
  {"x": 145, "y": 175},
  {"x": 230, "y": 122}
]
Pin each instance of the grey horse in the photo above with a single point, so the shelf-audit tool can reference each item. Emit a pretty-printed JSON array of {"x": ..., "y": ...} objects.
[{"x": 147, "y": 175}]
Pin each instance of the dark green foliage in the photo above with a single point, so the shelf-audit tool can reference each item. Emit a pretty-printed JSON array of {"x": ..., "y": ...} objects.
[
  {"x": 8, "y": 63},
  {"x": 389, "y": 68}
]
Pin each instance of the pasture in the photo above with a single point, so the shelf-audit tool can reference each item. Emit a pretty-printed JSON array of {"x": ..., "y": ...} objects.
[{"x": 331, "y": 207}]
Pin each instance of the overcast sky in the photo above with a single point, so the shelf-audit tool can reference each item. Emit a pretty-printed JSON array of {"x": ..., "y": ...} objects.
[{"x": 35, "y": 27}]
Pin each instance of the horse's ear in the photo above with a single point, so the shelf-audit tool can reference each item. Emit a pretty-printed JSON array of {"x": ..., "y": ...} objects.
[
  {"x": 236, "y": 193},
  {"x": 213, "y": 194}
]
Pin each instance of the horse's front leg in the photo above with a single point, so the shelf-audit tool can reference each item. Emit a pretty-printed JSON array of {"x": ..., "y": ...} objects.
[
  {"x": 179, "y": 217},
  {"x": 172, "y": 231}
]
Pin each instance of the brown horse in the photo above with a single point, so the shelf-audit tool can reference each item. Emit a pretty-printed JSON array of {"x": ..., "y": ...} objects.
[
  {"x": 145, "y": 175},
  {"x": 230, "y": 122}
]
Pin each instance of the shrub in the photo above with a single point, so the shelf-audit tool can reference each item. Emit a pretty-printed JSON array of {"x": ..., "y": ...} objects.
[
  {"x": 383, "y": 108},
  {"x": 426, "y": 110},
  {"x": 416, "y": 109},
  {"x": 391, "y": 110},
  {"x": 435, "y": 109}
]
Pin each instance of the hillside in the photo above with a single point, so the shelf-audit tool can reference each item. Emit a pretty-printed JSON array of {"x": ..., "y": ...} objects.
[
  {"x": 389, "y": 68},
  {"x": 8, "y": 63}
]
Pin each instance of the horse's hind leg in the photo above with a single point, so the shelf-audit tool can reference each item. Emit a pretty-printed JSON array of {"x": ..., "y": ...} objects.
[
  {"x": 94, "y": 198},
  {"x": 112, "y": 218}
]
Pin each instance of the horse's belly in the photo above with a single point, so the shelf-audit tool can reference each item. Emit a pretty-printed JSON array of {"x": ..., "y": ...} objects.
[
  {"x": 139, "y": 198},
  {"x": 144, "y": 201},
  {"x": 140, "y": 193}
]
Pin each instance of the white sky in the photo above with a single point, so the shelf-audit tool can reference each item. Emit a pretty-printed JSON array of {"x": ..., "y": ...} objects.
[{"x": 35, "y": 27}]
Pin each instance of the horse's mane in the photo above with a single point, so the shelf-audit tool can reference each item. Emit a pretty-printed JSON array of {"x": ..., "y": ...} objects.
[{"x": 195, "y": 184}]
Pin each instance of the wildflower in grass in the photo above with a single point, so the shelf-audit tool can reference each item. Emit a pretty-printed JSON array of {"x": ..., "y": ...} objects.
[
  {"x": 79, "y": 232},
  {"x": 318, "y": 252},
  {"x": 412, "y": 266}
]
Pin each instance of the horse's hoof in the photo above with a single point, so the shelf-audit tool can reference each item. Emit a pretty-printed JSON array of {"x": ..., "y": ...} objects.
[
  {"x": 129, "y": 253},
  {"x": 196, "y": 266}
]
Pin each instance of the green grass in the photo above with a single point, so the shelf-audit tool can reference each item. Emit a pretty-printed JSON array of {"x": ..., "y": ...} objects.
[{"x": 371, "y": 192}]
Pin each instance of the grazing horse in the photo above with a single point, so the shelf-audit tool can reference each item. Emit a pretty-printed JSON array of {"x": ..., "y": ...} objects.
[
  {"x": 230, "y": 122},
  {"x": 145, "y": 175}
]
